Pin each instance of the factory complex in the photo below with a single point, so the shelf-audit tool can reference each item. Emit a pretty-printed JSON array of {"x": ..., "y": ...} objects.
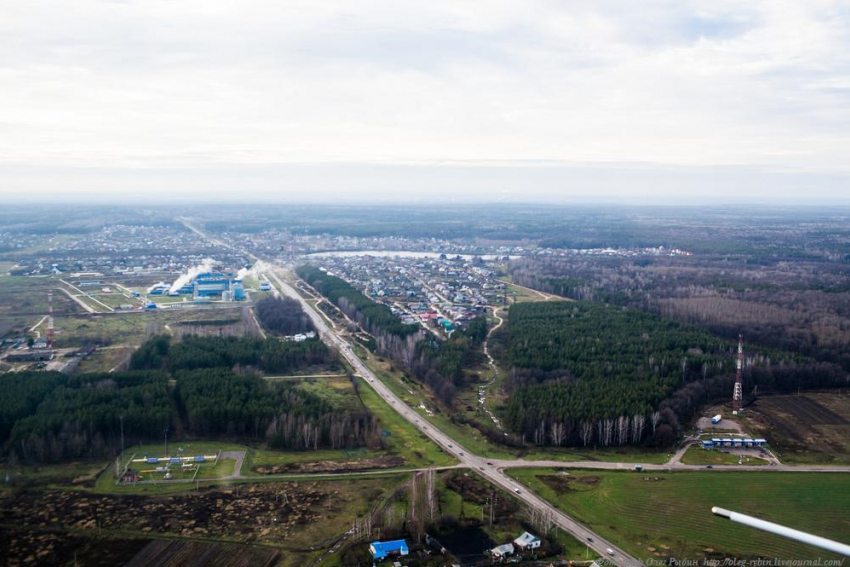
[{"x": 204, "y": 286}]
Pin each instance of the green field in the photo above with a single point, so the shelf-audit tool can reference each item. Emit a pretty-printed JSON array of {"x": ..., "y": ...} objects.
[
  {"x": 700, "y": 456},
  {"x": 403, "y": 439},
  {"x": 669, "y": 514}
]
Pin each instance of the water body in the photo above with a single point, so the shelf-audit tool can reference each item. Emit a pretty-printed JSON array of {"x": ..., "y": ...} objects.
[{"x": 403, "y": 254}]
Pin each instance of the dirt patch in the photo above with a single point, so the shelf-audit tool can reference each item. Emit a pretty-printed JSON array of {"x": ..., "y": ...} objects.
[
  {"x": 163, "y": 553},
  {"x": 476, "y": 491},
  {"x": 589, "y": 479},
  {"x": 48, "y": 549},
  {"x": 802, "y": 425},
  {"x": 557, "y": 482},
  {"x": 268, "y": 512},
  {"x": 385, "y": 462}
]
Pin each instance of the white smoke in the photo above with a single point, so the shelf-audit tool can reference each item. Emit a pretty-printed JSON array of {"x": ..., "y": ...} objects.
[
  {"x": 258, "y": 268},
  {"x": 206, "y": 265}
]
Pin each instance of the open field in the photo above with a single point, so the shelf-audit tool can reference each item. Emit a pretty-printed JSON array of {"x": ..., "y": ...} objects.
[
  {"x": 293, "y": 517},
  {"x": 808, "y": 428},
  {"x": 669, "y": 514},
  {"x": 131, "y": 328},
  {"x": 402, "y": 438},
  {"x": 24, "y": 299},
  {"x": 699, "y": 456},
  {"x": 105, "y": 359}
]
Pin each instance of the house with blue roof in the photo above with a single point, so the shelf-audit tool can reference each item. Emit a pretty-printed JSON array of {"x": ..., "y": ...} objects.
[{"x": 384, "y": 549}]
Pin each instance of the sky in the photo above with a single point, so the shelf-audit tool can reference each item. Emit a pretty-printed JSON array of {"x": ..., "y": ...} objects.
[{"x": 392, "y": 102}]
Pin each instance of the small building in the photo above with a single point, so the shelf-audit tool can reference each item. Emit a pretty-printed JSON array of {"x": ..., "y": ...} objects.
[
  {"x": 130, "y": 476},
  {"x": 502, "y": 551},
  {"x": 527, "y": 541},
  {"x": 708, "y": 444},
  {"x": 31, "y": 356},
  {"x": 759, "y": 442},
  {"x": 384, "y": 549}
]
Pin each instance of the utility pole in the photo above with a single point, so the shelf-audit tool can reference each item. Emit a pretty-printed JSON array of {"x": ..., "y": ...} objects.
[
  {"x": 122, "y": 434},
  {"x": 166, "y": 441}
]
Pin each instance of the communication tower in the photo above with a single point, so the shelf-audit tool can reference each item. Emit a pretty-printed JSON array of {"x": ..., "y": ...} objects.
[
  {"x": 50, "y": 318},
  {"x": 738, "y": 392}
]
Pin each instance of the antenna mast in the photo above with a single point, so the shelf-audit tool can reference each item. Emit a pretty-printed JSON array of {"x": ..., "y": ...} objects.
[
  {"x": 50, "y": 318},
  {"x": 737, "y": 393}
]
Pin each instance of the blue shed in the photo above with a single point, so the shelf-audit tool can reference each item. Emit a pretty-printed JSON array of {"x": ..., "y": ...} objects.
[
  {"x": 199, "y": 459},
  {"x": 152, "y": 460}
]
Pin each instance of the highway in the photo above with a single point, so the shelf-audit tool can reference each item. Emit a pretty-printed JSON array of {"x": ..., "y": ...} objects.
[{"x": 492, "y": 472}]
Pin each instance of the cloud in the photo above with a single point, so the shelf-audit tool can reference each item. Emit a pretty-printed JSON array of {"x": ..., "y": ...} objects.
[{"x": 161, "y": 84}]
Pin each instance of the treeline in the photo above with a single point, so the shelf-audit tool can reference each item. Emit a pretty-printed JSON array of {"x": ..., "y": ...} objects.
[
  {"x": 441, "y": 364},
  {"x": 193, "y": 352},
  {"x": 438, "y": 364},
  {"x": 217, "y": 402},
  {"x": 591, "y": 374},
  {"x": 375, "y": 317},
  {"x": 283, "y": 315}
]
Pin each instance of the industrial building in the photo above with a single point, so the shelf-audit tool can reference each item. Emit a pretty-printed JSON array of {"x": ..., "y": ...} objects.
[
  {"x": 206, "y": 285},
  {"x": 736, "y": 443}
]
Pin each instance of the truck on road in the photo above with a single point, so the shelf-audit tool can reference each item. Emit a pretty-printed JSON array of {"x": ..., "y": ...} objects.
[{"x": 716, "y": 419}]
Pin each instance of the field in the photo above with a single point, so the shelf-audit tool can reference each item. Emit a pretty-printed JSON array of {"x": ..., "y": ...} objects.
[
  {"x": 294, "y": 517},
  {"x": 669, "y": 514},
  {"x": 700, "y": 456},
  {"x": 808, "y": 428}
]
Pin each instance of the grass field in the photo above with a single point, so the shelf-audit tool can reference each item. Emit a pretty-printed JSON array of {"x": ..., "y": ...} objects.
[
  {"x": 700, "y": 456},
  {"x": 669, "y": 514},
  {"x": 808, "y": 428},
  {"x": 403, "y": 439}
]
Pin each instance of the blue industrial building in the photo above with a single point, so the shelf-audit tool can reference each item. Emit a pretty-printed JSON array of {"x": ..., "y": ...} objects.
[
  {"x": 737, "y": 443},
  {"x": 215, "y": 284}
]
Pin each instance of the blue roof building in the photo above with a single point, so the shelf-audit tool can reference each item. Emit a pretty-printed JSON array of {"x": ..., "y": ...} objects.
[{"x": 384, "y": 549}]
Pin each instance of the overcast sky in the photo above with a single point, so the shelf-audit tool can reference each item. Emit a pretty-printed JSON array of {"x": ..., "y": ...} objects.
[{"x": 435, "y": 101}]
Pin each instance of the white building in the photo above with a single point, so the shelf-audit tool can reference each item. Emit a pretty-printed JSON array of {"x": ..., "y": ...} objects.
[
  {"x": 503, "y": 550},
  {"x": 527, "y": 541}
]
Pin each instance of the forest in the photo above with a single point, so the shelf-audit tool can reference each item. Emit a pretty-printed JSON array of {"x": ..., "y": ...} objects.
[
  {"x": 795, "y": 305},
  {"x": 240, "y": 353},
  {"x": 589, "y": 373},
  {"x": 47, "y": 416},
  {"x": 441, "y": 364},
  {"x": 283, "y": 316}
]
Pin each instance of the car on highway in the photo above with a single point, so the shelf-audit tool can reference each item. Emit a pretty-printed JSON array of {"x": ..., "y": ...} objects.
[
  {"x": 490, "y": 463},
  {"x": 517, "y": 491},
  {"x": 709, "y": 467},
  {"x": 450, "y": 445},
  {"x": 590, "y": 539},
  {"x": 609, "y": 551}
]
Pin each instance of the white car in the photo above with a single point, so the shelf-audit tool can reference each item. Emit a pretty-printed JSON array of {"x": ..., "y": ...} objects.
[{"x": 609, "y": 551}]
